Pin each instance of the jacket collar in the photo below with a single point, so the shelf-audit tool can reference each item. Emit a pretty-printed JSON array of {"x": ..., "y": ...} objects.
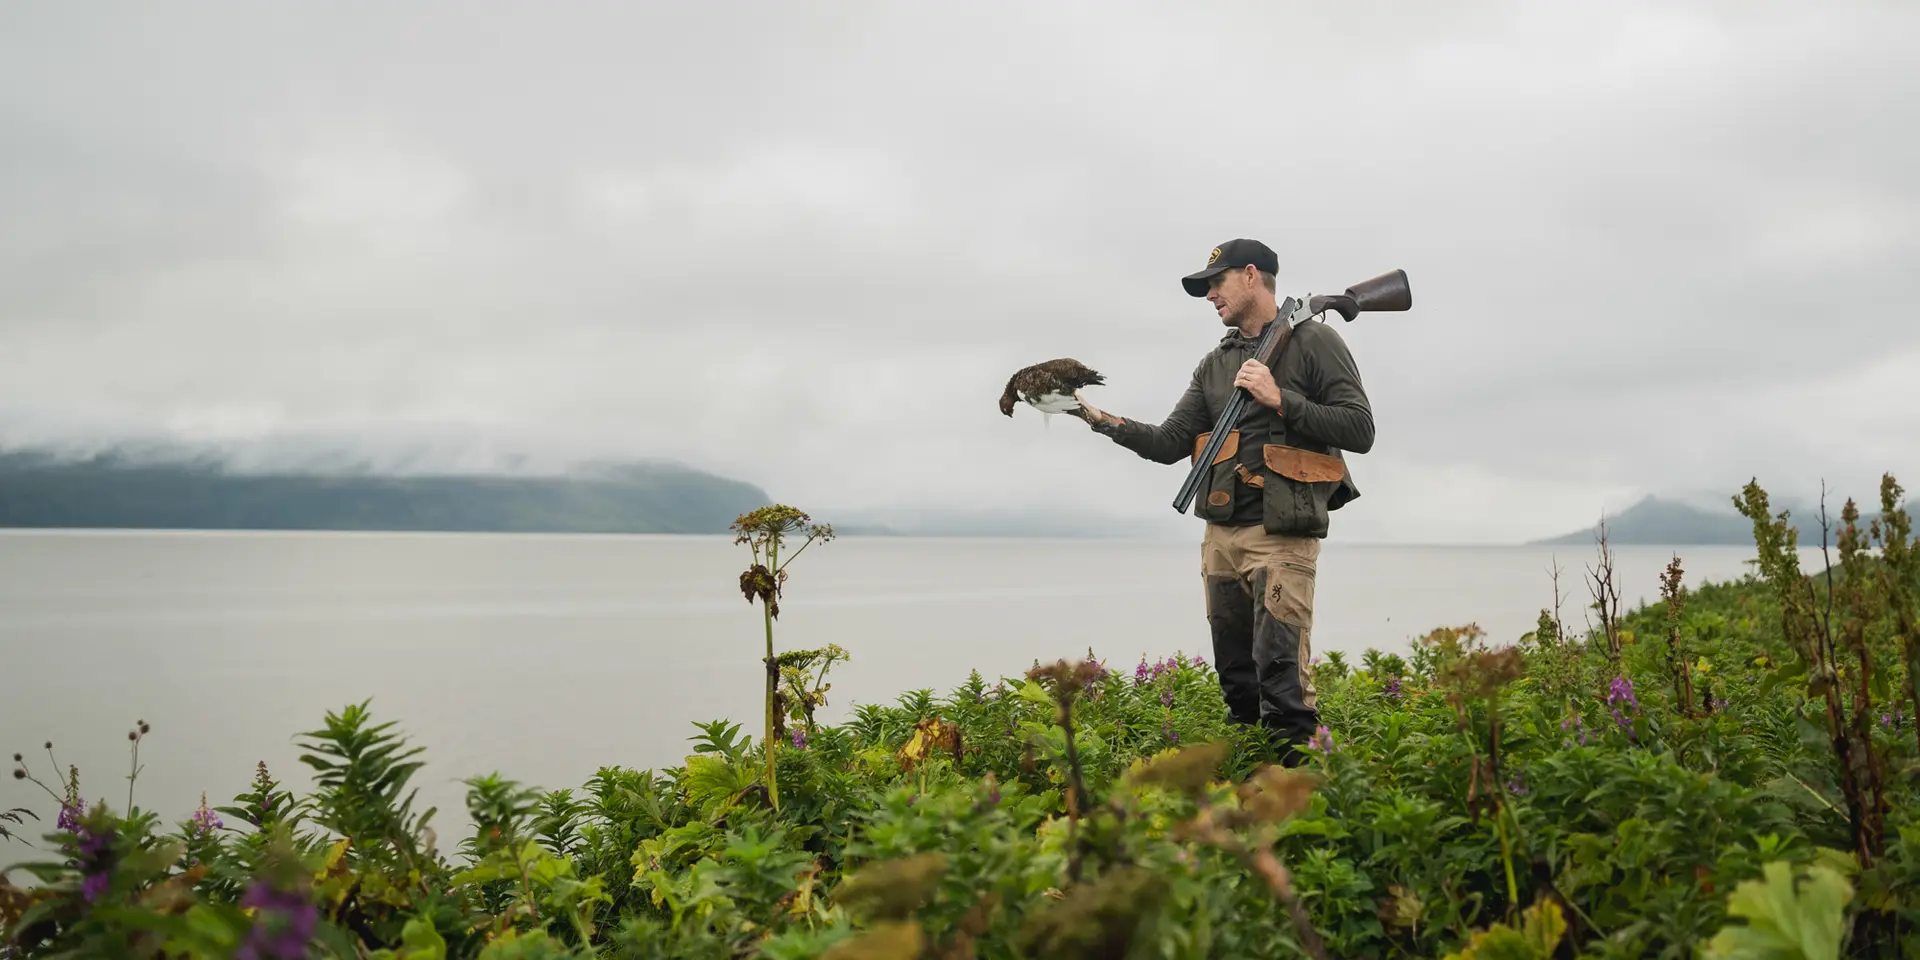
[{"x": 1233, "y": 339}]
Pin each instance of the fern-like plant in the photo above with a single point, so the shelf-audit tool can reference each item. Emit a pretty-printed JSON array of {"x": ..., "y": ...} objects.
[{"x": 361, "y": 772}]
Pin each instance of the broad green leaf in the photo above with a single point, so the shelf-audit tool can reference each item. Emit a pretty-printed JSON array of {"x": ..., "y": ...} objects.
[{"x": 1790, "y": 915}]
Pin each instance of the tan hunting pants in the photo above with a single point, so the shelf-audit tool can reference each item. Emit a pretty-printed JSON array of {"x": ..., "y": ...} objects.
[{"x": 1259, "y": 593}]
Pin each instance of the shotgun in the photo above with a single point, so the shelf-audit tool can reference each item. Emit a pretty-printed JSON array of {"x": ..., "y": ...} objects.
[{"x": 1384, "y": 293}]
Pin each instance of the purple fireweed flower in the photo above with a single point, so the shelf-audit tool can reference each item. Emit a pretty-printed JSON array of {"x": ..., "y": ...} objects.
[
  {"x": 800, "y": 738},
  {"x": 95, "y": 885},
  {"x": 1166, "y": 697},
  {"x": 1579, "y": 727},
  {"x": 1199, "y": 661},
  {"x": 1620, "y": 692},
  {"x": 1140, "y": 672},
  {"x": 1392, "y": 688},
  {"x": 1620, "y": 695},
  {"x": 283, "y": 924},
  {"x": 1322, "y": 741},
  {"x": 205, "y": 821},
  {"x": 1517, "y": 786},
  {"x": 70, "y": 815}
]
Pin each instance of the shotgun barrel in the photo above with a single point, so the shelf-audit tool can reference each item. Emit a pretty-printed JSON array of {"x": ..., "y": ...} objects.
[{"x": 1386, "y": 292}]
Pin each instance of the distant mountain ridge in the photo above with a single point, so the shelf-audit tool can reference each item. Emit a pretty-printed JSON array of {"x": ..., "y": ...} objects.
[
  {"x": 1665, "y": 522},
  {"x": 112, "y": 490},
  {"x": 181, "y": 488}
]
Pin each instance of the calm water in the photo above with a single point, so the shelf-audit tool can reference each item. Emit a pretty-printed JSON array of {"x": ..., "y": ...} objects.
[{"x": 544, "y": 657}]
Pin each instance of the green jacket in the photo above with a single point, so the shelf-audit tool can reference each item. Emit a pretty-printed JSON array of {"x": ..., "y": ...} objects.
[{"x": 1323, "y": 409}]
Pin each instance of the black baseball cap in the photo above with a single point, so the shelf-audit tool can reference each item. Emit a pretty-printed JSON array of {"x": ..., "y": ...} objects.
[{"x": 1227, "y": 256}]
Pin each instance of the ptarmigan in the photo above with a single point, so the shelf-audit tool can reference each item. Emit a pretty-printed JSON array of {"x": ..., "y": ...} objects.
[{"x": 1049, "y": 387}]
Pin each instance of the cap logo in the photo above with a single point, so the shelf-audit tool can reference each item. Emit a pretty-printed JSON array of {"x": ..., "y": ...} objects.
[{"x": 1211, "y": 257}]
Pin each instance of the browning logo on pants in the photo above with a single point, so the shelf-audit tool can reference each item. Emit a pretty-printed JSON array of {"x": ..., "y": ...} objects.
[{"x": 1259, "y": 590}]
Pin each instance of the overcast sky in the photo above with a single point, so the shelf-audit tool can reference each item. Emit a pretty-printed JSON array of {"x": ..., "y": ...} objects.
[{"x": 1654, "y": 247}]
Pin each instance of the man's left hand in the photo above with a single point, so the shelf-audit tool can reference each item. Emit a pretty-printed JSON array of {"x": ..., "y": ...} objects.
[{"x": 1258, "y": 380}]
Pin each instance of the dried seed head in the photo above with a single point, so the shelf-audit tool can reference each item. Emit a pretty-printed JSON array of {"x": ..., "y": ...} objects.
[
  {"x": 1276, "y": 793},
  {"x": 133, "y": 734},
  {"x": 1185, "y": 771},
  {"x": 49, "y": 744},
  {"x": 144, "y": 728},
  {"x": 18, "y": 758},
  {"x": 892, "y": 889},
  {"x": 19, "y": 773}
]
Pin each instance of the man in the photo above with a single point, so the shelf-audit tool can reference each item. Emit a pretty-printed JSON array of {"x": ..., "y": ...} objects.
[{"x": 1269, "y": 492}]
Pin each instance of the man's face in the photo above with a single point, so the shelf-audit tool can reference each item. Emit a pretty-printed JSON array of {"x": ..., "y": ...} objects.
[{"x": 1232, "y": 294}]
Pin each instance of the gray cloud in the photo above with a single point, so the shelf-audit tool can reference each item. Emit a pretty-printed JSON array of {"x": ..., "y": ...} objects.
[{"x": 1653, "y": 246}]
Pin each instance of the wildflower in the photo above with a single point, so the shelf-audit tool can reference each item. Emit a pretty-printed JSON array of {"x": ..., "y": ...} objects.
[
  {"x": 800, "y": 737},
  {"x": 1322, "y": 741},
  {"x": 1618, "y": 695},
  {"x": 204, "y": 821},
  {"x": 283, "y": 924},
  {"x": 1579, "y": 726},
  {"x": 69, "y": 815},
  {"x": 1517, "y": 786},
  {"x": 1140, "y": 672},
  {"x": 1166, "y": 697},
  {"x": 95, "y": 885},
  {"x": 1392, "y": 688}
]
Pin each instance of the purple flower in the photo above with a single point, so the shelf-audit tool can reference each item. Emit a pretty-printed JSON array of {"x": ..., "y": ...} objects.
[
  {"x": 283, "y": 924},
  {"x": 1621, "y": 692},
  {"x": 1322, "y": 741},
  {"x": 205, "y": 821},
  {"x": 1579, "y": 727},
  {"x": 800, "y": 738},
  {"x": 1140, "y": 672},
  {"x": 1199, "y": 661},
  {"x": 1517, "y": 786},
  {"x": 70, "y": 815},
  {"x": 1166, "y": 697},
  {"x": 94, "y": 886},
  {"x": 1619, "y": 695},
  {"x": 1392, "y": 688}
]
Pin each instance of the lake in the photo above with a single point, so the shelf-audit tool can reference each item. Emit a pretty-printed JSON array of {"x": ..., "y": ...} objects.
[{"x": 544, "y": 657}]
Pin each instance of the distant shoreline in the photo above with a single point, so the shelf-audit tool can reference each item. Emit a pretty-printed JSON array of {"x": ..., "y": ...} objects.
[{"x": 1337, "y": 543}]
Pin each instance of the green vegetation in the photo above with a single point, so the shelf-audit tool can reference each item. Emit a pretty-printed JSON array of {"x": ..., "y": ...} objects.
[
  {"x": 1728, "y": 772},
  {"x": 37, "y": 490}
]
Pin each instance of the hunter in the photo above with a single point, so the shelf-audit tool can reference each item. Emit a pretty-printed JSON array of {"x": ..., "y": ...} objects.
[{"x": 1270, "y": 490}]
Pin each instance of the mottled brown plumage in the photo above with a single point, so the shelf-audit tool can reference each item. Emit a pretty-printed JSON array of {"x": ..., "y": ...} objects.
[{"x": 1049, "y": 387}]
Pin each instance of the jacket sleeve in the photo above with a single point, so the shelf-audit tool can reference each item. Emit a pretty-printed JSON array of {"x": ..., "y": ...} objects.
[
  {"x": 1170, "y": 441},
  {"x": 1340, "y": 417}
]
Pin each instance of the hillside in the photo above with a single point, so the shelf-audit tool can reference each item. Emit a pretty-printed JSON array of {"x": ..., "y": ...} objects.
[
  {"x": 112, "y": 491},
  {"x": 1663, "y": 522}
]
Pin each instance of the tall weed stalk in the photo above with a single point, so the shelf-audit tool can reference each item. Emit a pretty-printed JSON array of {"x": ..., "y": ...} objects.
[{"x": 765, "y": 531}]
